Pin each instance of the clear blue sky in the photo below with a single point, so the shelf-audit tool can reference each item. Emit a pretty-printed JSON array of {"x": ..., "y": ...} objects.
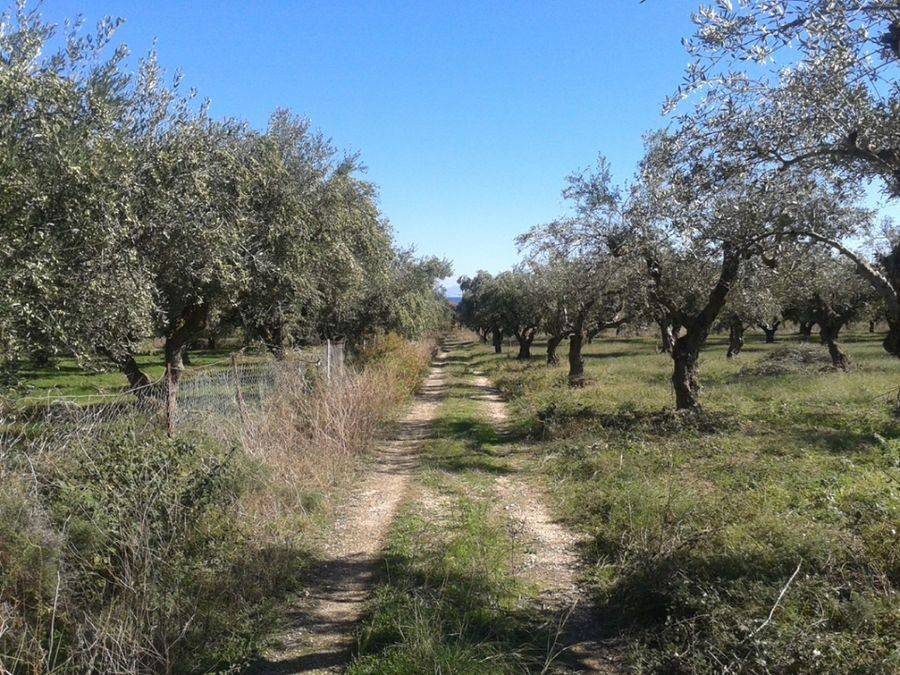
[{"x": 468, "y": 114}]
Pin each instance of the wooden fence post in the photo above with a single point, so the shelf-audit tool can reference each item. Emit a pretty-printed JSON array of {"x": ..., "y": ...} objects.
[
  {"x": 328, "y": 359},
  {"x": 170, "y": 402},
  {"x": 239, "y": 395}
]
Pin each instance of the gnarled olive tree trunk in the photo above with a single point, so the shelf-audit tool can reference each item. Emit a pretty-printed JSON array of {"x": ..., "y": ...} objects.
[
  {"x": 829, "y": 331},
  {"x": 735, "y": 338},
  {"x": 686, "y": 373},
  {"x": 576, "y": 342},
  {"x": 552, "y": 343},
  {"x": 891, "y": 342},
  {"x": 275, "y": 340},
  {"x": 686, "y": 349},
  {"x": 525, "y": 338},
  {"x": 576, "y": 360},
  {"x": 137, "y": 378},
  {"x": 667, "y": 337},
  {"x": 497, "y": 340},
  {"x": 769, "y": 330},
  {"x": 138, "y": 381},
  {"x": 805, "y": 329},
  {"x": 190, "y": 323}
]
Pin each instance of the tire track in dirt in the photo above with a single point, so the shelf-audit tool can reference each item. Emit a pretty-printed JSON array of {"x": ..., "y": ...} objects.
[
  {"x": 324, "y": 622},
  {"x": 552, "y": 561}
]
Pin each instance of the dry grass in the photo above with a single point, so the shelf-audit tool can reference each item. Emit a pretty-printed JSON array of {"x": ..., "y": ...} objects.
[
  {"x": 124, "y": 551},
  {"x": 310, "y": 435}
]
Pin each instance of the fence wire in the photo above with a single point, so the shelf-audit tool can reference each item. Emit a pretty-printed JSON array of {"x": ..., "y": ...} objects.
[{"x": 219, "y": 393}]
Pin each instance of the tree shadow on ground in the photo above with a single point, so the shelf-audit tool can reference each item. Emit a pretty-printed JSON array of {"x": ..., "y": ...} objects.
[
  {"x": 302, "y": 625},
  {"x": 606, "y": 355},
  {"x": 463, "y": 614}
]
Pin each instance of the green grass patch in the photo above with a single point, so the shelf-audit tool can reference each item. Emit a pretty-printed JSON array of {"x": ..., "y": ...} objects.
[
  {"x": 698, "y": 523},
  {"x": 449, "y": 600},
  {"x": 36, "y": 386}
]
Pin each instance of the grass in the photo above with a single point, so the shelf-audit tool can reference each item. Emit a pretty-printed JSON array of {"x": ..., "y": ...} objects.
[
  {"x": 123, "y": 550},
  {"x": 697, "y": 527},
  {"x": 64, "y": 377},
  {"x": 449, "y": 600}
]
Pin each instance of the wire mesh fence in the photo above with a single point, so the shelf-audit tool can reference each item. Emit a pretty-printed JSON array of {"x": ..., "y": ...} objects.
[{"x": 219, "y": 393}]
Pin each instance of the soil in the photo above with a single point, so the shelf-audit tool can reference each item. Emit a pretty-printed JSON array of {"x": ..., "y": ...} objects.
[
  {"x": 552, "y": 560},
  {"x": 323, "y": 623}
]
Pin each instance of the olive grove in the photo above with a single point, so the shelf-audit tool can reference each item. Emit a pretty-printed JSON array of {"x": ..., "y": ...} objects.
[
  {"x": 786, "y": 116},
  {"x": 130, "y": 213},
  {"x": 809, "y": 85}
]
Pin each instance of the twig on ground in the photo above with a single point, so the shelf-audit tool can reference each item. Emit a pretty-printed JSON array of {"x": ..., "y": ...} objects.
[{"x": 778, "y": 601}]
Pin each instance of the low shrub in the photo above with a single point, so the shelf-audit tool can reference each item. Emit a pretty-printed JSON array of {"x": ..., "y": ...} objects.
[
  {"x": 123, "y": 550},
  {"x": 129, "y": 557},
  {"x": 401, "y": 360}
]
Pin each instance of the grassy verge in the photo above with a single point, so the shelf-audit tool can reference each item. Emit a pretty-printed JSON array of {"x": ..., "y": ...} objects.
[
  {"x": 790, "y": 483},
  {"x": 122, "y": 550},
  {"x": 449, "y": 600}
]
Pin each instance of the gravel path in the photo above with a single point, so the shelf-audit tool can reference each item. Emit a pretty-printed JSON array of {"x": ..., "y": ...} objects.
[
  {"x": 324, "y": 622},
  {"x": 552, "y": 561}
]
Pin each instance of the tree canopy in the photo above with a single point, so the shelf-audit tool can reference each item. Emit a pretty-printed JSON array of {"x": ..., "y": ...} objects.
[{"x": 130, "y": 213}]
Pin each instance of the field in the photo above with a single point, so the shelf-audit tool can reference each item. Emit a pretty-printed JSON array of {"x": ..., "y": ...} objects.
[
  {"x": 64, "y": 377},
  {"x": 761, "y": 535},
  {"x": 559, "y": 528}
]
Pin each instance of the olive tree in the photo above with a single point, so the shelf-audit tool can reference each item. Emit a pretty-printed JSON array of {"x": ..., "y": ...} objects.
[
  {"x": 121, "y": 208},
  {"x": 481, "y": 308},
  {"x": 407, "y": 299},
  {"x": 129, "y": 213},
  {"x": 594, "y": 283},
  {"x": 809, "y": 85},
  {"x": 553, "y": 283},
  {"x": 291, "y": 169},
  {"x": 72, "y": 279},
  {"x": 513, "y": 301},
  {"x": 471, "y": 309},
  {"x": 711, "y": 218},
  {"x": 825, "y": 290},
  {"x": 752, "y": 301}
]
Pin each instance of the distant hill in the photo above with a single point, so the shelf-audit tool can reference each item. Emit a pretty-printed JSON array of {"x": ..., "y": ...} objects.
[{"x": 454, "y": 299}]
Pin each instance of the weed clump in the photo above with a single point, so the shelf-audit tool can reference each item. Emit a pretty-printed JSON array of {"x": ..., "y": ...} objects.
[
  {"x": 567, "y": 416},
  {"x": 790, "y": 359},
  {"x": 129, "y": 555}
]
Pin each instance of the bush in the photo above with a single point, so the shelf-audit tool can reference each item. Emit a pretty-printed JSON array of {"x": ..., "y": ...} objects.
[
  {"x": 129, "y": 553},
  {"x": 122, "y": 550},
  {"x": 401, "y": 360}
]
